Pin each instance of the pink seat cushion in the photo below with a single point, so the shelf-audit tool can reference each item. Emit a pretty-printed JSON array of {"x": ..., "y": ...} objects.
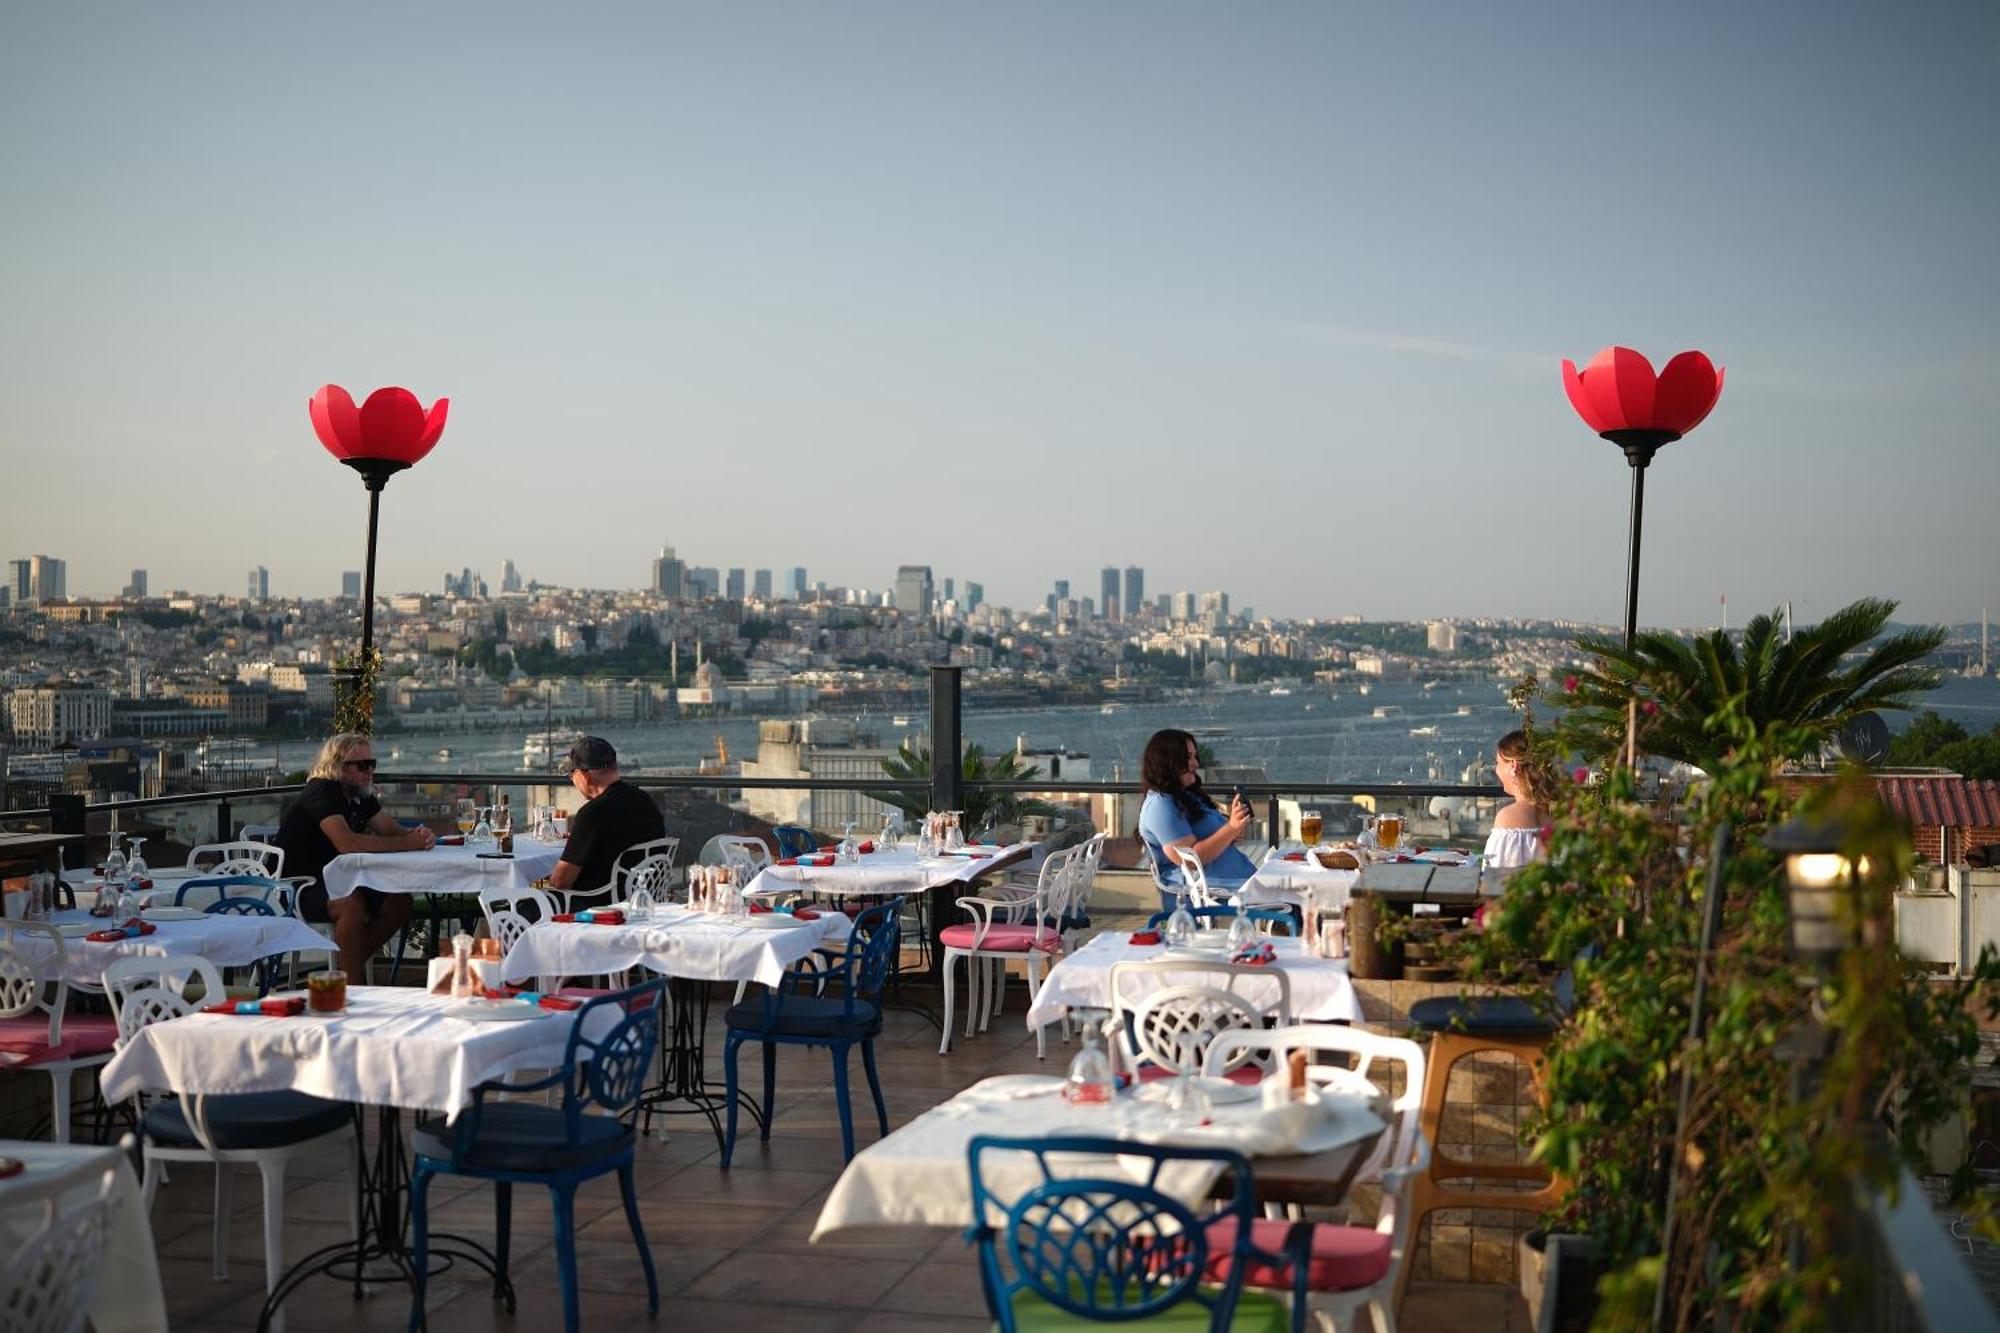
[
  {"x": 1244, "y": 1074},
  {"x": 25, "y": 1040},
  {"x": 1343, "y": 1258},
  {"x": 1003, "y": 939}
]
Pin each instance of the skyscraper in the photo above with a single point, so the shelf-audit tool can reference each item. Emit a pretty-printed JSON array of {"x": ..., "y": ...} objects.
[
  {"x": 1062, "y": 590},
  {"x": 137, "y": 587},
  {"x": 259, "y": 589},
  {"x": 20, "y": 580},
  {"x": 510, "y": 577},
  {"x": 949, "y": 593},
  {"x": 760, "y": 585},
  {"x": 975, "y": 593},
  {"x": 913, "y": 589},
  {"x": 1134, "y": 601},
  {"x": 795, "y": 583},
  {"x": 734, "y": 589},
  {"x": 669, "y": 574},
  {"x": 703, "y": 584},
  {"x": 39, "y": 578},
  {"x": 1107, "y": 589},
  {"x": 350, "y": 584}
]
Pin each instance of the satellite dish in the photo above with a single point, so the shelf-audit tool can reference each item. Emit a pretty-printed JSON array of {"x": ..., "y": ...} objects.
[{"x": 1865, "y": 738}]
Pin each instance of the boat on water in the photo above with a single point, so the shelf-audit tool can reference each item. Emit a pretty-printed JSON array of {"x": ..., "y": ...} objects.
[
  {"x": 1466, "y": 710},
  {"x": 1388, "y": 710},
  {"x": 536, "y": 751},
  {"x": 1278, "y": 692},
  {"x": 1108, "y": 709},
  {"x": 899, "y": 721},
  {"x": 444, "y": 752},
  {"x": 1424, "y": 731},
  {"x": 1364, "y": 689}
]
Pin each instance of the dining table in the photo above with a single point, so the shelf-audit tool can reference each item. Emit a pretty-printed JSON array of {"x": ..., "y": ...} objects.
[
  {"x": 128, "y": 1297},
  {"x": 444, "y": 868},
  {"x": 1320, "y": 988},
  {"x": 225, "y": 939},
  {"x": 933, "y": 879},
  {"x": 919, "y": 1174},
  {"x": 392, "y": 1049},
  {"x": 693, "y": 950}
]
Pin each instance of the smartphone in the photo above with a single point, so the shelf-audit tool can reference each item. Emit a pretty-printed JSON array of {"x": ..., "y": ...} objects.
[{"x": 1236, "y": 796}]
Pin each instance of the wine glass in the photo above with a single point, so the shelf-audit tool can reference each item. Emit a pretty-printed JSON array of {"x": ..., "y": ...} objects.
[
  {"x": 467, "y": 816},
  {"x": 1242, "y": 932},
  {"x": 954, "y": 836},
  {"x": 1188, "y": 1102},
  {"x": 1091, "y": 1081},
  {"x": 482, "y": 833},
  {"x": 135, "y": 864},
  {"x": 1180, "y": 926},
  {"x": 892, "y": 832},
  {"x": 114, "y": 859}
]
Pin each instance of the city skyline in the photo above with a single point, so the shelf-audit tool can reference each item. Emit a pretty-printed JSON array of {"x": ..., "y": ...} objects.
[{"x": 1271, "y": 306}]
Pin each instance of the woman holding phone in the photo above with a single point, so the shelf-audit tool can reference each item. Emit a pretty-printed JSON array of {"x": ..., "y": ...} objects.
[{"x": 1178, "y": 813}]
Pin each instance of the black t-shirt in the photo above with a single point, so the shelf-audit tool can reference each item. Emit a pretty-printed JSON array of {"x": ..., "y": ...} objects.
[
  {"x": 620, "y": 817},
  {"x": 307, "y": 848}
]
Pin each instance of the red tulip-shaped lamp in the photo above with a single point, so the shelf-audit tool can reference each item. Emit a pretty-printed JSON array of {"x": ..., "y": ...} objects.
[
  {"x": 1620, "y": 398},
  {"x": 389, "y": 432}
]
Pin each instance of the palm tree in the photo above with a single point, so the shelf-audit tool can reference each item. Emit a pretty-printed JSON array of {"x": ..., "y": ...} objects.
[
  {"x": 983, "y": 809},
  {"x": 1805, "y": 683}
]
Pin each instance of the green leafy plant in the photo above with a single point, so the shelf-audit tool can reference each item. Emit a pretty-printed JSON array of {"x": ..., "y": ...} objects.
[
  {"x": 1772, "y": 1159},
  {"x": 983, "y": 809},
  {"x": 1804, "y": 687}
]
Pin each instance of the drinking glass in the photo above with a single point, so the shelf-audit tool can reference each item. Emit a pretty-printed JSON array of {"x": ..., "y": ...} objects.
[
  {"x": 848, "y": 846},
  {"x": 468, "y": 815},
  {"x": 954, "y": 836},
  {"x": 892, "y": 832},
  {"x": 1242, "y": 933},
  {"x": 1180, "y": 926},
  {"x": 482, "y": 832},
  {"x": 1091, "y": 1081},
  {"x": 326, "y": 992},
  {"x": 135, "y": 864},
  {"x": 1311, "y": 826},
  {"x": 114, "y": 860},
  {"x": 1187, "y": 1101},
  {"x": 1388, "y": 831}
]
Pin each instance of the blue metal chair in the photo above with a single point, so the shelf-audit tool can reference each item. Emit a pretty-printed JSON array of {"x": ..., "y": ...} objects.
[
  {"x": 232, "y": 886},
  {"x": 226, "y": 906},
  {"x": 530, "y": 1143},
  {"x": 1091, "y": 1243},
  {"x": 799, "y": 1012},
  {"x": 793, "y": 840},
  {"x": 1281, "y": 915}
]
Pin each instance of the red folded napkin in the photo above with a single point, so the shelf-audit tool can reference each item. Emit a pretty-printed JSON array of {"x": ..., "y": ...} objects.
[
  {"x": 454, "y": 840},
  {"x": 1294, "y": 856},
  {"x": 288, "y": 1007},
  {"x": 536, "y": 998},
  {"x": 130, "y": 930},
  {"x": 800, "y": 913},
  {"x": 1146, "y": 937},
  {"x": 789, "y": 861},
  {"x": 865, "y": 848},
  {"x": 594, "y": 916}
]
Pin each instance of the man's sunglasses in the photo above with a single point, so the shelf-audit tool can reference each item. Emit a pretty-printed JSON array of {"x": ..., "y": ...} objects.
[{"x": 368, "y": 764}]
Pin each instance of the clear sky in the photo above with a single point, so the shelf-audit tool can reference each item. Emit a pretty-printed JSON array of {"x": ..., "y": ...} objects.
[{"x": 1267, "y": 297}]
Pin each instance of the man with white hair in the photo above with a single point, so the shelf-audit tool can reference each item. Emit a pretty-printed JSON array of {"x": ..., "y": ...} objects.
[{"x": 338, "y": 812}]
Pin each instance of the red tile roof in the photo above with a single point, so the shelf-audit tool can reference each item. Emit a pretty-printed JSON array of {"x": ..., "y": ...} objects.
[{"x": 1955, "y": 802}]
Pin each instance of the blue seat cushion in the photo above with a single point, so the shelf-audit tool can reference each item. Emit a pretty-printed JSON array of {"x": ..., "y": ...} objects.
[
  {"x": 249, "y": 1120},
  {"x": 807, "y": 1016},
  {"x": 521, "y": 1136},
  {"x": 1486, "y": 1013}
]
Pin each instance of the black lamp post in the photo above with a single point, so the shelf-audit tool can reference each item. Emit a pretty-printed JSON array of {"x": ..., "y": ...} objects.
[
  {"x": 1820, "y": 881},
  {"x": 383, "y": 436}
]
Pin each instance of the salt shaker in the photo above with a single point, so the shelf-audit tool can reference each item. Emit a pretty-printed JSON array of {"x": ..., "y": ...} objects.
[{"x": 461, "y": 966}]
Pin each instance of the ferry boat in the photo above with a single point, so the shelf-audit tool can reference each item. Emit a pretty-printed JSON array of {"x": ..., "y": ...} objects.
[
  {"x": 899, "y": 721},
  {"x": 1466, "y": 710},
  {"x": 1108, "y": 709},
  {"x": 1279, "y": 692},
  {"x": 536, "y": 752},
  {"x": 1423, "y": 731},
  {"x": 1388, "y": 710}
]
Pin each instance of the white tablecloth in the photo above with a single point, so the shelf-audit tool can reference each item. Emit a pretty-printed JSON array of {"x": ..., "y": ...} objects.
[
  {"x": 896, "y": 870},
  {"x": 1277, "y": 879},
  {"x": 675, "y": 942},
  {"x": 394, "y": 1046},
  {"x": 128, "y": 1296},
  {"x": 919, "y": 1175},
  {"x": 1321, "y": 991},
  {"x": 442, "y": 869},
  {"x": 225, "y": 940}
]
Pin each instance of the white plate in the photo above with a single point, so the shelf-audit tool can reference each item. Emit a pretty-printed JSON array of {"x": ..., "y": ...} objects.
[
  {"x": 1189, "y": 951},
  {"x": 1221, "y": 1092},
  {"x": 775, "y": 920},
  {"x": 1211, "y": 939},
  {"x": 173, "y": 914},
  {"x": 496, "y": 1011},
  {"x": 76, "y": 930}
]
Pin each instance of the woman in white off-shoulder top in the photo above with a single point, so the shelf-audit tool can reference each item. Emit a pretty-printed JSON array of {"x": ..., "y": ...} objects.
[{"x": 1517, "y": 830}]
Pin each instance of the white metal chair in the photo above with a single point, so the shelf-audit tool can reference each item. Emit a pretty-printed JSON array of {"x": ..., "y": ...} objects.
[
  {"x": 1266, "y": 993},
  {"x": 651, "y": 869},
  {"x": 492, "y": 900},
  {"x": 1194, "y": 876},
  {"x": 1344, "y": 1254},
  {"x": 1005, "y": 929},
  {"x": 35, "y": 1032},
  {"x": 50, "y": 1279},
  {"x": 219, "y": 1130},
  {"x": 748, "y": 854},
  {"x": 244, "y": 857}
]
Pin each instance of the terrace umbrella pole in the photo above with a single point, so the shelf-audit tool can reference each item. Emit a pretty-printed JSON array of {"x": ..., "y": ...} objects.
[{"x": 375, "y": 474}]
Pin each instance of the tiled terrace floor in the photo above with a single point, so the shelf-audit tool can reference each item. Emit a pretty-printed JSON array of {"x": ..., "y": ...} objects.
[{"x": 731, "y": 1247}]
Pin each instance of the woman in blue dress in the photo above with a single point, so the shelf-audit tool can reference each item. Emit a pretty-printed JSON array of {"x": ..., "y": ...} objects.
[{"x": 1178, "y": 813}]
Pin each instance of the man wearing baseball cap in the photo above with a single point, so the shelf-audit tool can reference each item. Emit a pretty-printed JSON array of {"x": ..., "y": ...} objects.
[{"x": 615, "y": 815}]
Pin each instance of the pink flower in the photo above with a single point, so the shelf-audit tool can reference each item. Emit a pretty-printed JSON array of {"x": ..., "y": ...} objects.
[
  {"x": 1581, "y": 775},
  {"x": 1569, "y": 684},
  {"x": 1545, "y": 833},
  {"x": 1650, "y": 707}
]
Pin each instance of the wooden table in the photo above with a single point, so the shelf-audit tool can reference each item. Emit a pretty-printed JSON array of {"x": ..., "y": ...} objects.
[{"x": 20, "y": 852}]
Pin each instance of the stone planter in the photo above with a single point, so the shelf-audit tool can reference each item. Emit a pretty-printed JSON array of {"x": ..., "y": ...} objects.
[
  {"x": 1367, "y": 957},
  {"x": 1559, "y": 1281}
]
